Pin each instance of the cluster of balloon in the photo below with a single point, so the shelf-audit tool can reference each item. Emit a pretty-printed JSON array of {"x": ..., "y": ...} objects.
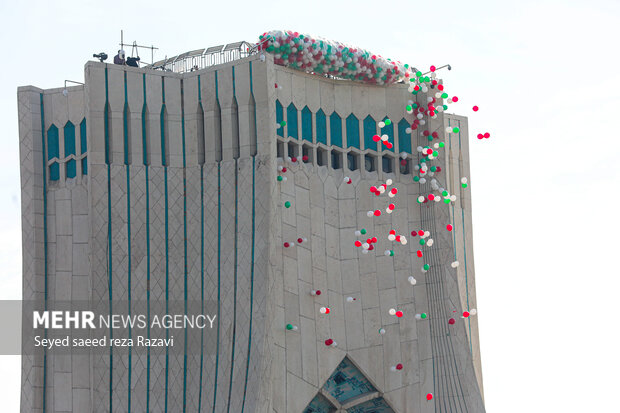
[
  {"x": 347, "y": 180},
  {"x": 291, "y": 327},
  {"x": 330, "y": 342},
  {"x": 316, "y": 55},
  {"x": 292, "y": 244},
  {"x": 397, "y": 313}
]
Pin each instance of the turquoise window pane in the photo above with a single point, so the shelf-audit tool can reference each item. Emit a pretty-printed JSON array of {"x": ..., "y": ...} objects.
[
  {"x": 335, "y": 129},
  {"x": 353, "y": 132},
  {"x": 291, "y": 121},
  {"x": 404, "y": 138},
  {"x": 83, "y": 147},
  {"x": 53, "y": 151},
  {"x": 70, "y": 148},
  {"x": 370, "y": 130},
  {"x": 306, "y": 124},
  {"x": 279, "y": 117},
  {"x": 321, "y": 127}
]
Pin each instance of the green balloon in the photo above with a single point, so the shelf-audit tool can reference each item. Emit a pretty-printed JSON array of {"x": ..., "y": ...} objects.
[
  {"x": 444, "y": 95},
  {"x": 441, "y": 144},
  {"x": 447, "y": 201},
  {"x": 409, "y": 108},
  {"x": 464, "y": 185},
  {"x": 283, "y": 123},
  {"x": 363, "y": 231},
  {"x": 287, "y": 204},
  {"x": 430, "y": 138},
  {"x": 280, "y": 179},
  {"x": 423, "y": 315},
  {"x": 418, "y": 73},
  {"x": 455, "y": 129},
  {"x": 426, "y": 267},
  {"x": 416, "y": 179},
  {"x": 445, "y": 107},
  {"x": 435, "y": 154},
  {"x": 422, "y": 242},
  {"x": 289, "y": 326},
  {"x": 388, "y": 122},
  {"x": 444, "y": 193},
  {"x": 433, "y": 168}
]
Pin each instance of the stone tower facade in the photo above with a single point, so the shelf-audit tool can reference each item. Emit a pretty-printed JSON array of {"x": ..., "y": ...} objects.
[{"x": 152, "y": 185}]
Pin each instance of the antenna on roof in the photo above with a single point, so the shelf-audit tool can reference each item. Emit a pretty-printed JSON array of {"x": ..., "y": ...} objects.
[{"x": 135, "y": 47}]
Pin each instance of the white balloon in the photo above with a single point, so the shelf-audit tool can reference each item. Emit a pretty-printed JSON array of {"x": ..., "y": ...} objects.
[
  {"x": 349, "y": 299},
  {"x": 422, "y": 180},
  {"x": 463, "y": 180},
  {"x": 382, "y": 331},
  {"x": 473, "y": 311},
  {"x": 391, "y": 237},
  {"x": 418, "y": 316},
  {"x": 430, "y": 242},
  {"x": 427, "y": 234},
  {"x": 421, "y": 198},
  {"x": 389, "y": 181},
  {"x": 412, "y": 280},
  {"x": 381, "y": 124},
  {"x": 369, "y": 214},
  {"x": 392, "y": 311},
  {"x": 455, "y": 264},
  {"x": 358, "y": 233},
  {"x": 449, "y": 129}
]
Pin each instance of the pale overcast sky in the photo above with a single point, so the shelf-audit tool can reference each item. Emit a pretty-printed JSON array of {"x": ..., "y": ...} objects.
[{"x": 545, "y": 185}]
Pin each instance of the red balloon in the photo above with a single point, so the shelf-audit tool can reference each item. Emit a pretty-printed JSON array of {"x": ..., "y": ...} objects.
[
  {"x": 426, "y": 133},
  {"x": 399, "y": 366},
  {"x": 283, "y": 169},
  {"x": 487, "y": 135},
  {"x": 451, "y": 321},
  {"x": 399, "y": 314},
  {"x": 414, "y": 233},
  {"x": 433, "y": 68},
  {"x": 420, "y": 232},
  {"x": 374, "y": 239},
  {"x": 419, "y": 253},
  {"x": 373, "y": 189},
  {"x": 329, "y": 342},
  {"x": 304, "y": 158},
  {"x": 455, "y": 99},
  {"x": 429, "y": 396},
  {"x": 377, "y": 213},
  {"x": 318, "y": 292},
  {"x": 431, "y": 197},
  {"x": 293, "y": 159},
  {"x": 358, "y": 243},
  {"x": 449, "y": 227},
  {"x": 465, "y": 314},
  {"x": 435, "y": 135},
  {"x": 370, "y": 248},
  {"x": 376, "y": 138},
  {"x": 475, "y": 108},
  {"x": 440, "y": 87},
  {"x": 389, "y": 145},
  {"x": 286, "y": 245},
  {"x": 300, "y": 240},
  {"x": 480, "y": 136}
]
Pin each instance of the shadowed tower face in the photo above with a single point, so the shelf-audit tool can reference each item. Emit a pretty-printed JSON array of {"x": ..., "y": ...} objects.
[{"x": 146, "y": 188}]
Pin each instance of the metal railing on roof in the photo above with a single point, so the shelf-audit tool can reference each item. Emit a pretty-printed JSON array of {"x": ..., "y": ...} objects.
[{"x": 202, "y": 58}]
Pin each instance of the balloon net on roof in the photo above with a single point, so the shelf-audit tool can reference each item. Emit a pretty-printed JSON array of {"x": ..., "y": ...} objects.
[{"x": 326, "y": 57}]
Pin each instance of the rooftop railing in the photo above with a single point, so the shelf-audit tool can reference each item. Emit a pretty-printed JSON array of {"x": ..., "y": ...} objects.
[{"x": 203, "y": 58}]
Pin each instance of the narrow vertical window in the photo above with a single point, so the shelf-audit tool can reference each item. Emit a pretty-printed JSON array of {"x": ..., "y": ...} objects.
[
  {"x": 353, "y": 132},
  {"x": 69, "y": 130},
  {"x": 370, "y": 130},
  {"x": 306, "y": 124},
  {"x": 335, "y": 129},
  {"x": 321, "y": 127},
  {"x": 83, "y": 146},
  {"x": 53, "y": 151},
  {"x": 291, "y": 121}
]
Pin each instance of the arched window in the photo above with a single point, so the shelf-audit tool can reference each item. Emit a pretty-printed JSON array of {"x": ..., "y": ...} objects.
[
  {"x": 321, "y": 127},
  {"x": 83, "y": 147},
  {"x": 389, "y": 131},
  {"x": 370, "y": 130},
  {"x": 306, "y": 124},
  {"x": 404, "y": 138},
  {"x": 291, "y": 121},
  {"x": 353, "y": 132},
  {"x": 69, "y": 130},
  {"x": 53, "y": 151},
  {"x": 335, "y": 129}
]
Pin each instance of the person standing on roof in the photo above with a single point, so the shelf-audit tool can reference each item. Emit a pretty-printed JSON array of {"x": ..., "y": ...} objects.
[{"x": 119, "y": 59}]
